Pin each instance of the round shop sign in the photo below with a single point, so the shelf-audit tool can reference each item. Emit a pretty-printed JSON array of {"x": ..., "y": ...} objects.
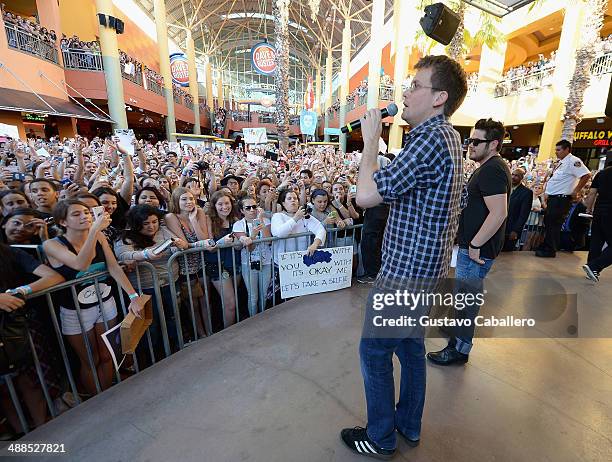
[
  {"x": 263, "y": 58},
  {"x": 179, "y": 68}
]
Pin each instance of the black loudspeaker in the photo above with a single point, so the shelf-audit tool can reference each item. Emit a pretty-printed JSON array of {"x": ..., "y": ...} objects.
[
  {"x": 112, "y": 22},
  {"x": 440, "y": 23},
  {"x": 609, "y": 102},
  {"x": 119, "y": 26},
  {"x": 102, "y": 19}
]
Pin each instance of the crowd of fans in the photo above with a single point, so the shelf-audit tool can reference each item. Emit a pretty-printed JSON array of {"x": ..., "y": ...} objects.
[
  {"x": 531, "y": 75},
  {"x": 154, "y": 76},
  {"x": 39, "y": 40},
  {"x": 218, "y": 125},
  {"x": 130, "y": 67},
  {"x": 358, "y": 95},
  {"x": 75, "y": 43},
  {"x": 31, "y": 27},
  {"x": 213, "y": 200}
]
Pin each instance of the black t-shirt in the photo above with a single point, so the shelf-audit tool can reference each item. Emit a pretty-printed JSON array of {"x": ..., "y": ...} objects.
[
  {"x": 119, "y": 216},
  {"x": 491, "y": 178},
  {"x": 603, "y": 183},
  {"x": 25, "y": 266}
]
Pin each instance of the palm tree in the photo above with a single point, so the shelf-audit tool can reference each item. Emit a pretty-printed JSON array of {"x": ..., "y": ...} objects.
[
  {"x": 585, "y": 57},
  {"x": 280, "y": 10}
]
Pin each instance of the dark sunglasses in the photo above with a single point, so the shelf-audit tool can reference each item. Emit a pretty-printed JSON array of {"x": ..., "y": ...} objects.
[
  {"x": 476, "y": 141},
  {"x": 250, "y": 207}
]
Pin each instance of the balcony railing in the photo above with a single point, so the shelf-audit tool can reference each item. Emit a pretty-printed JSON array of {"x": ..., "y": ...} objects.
[
  {"x": 266, "y": 118},
  {"x": 529, "y": 81},
  {"x": 602, "y": 64},
  {"x": 154, "y": 86},
  {"x": 177, "y": 98},
  {"x": 188, "y": 104},
  {"x": 136, "y": 77},
  {"x": 28, "y": 43},
  {"x": 386, "y": 93},
  {"x": 241, "y": 116},
  {"x": 82, "y": 60}
]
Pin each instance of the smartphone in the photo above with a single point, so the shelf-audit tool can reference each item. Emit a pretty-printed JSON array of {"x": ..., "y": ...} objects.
[
  {"x": 97, "y": 211},
  {"x": 66, "y": 182},
  {"x": 353, "y": 188},
  {"x": 18, "y": 176},
  {"x": 163, "y": 246}
]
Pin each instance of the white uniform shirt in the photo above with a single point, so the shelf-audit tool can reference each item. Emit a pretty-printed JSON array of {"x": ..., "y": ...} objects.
[{"x": 566, "y": 176}]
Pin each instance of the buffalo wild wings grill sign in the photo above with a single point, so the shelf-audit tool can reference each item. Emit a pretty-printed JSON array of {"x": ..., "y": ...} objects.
[{"x": 263, "y": 58}]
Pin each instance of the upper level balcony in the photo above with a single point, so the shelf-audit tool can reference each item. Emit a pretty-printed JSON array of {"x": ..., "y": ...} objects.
[{"x": 26, "y": 42}]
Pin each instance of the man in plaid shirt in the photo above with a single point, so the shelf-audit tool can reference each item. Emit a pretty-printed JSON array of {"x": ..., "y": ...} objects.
[{"x": 423, "y": 186}]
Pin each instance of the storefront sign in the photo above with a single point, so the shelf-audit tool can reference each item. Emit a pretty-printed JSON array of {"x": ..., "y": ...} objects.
[
  {"x": 179, "y": 68},
  {"x": 598, "y": 137},
  {"x": 29, "y": 117},
  {"x": 263, "y": 58}
]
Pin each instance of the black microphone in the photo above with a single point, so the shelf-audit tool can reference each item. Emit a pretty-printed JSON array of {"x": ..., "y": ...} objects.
[{"x": 390, "y": 110}]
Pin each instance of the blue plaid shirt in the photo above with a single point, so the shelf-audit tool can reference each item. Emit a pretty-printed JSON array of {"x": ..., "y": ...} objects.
[{"x": 423, "y": 186}]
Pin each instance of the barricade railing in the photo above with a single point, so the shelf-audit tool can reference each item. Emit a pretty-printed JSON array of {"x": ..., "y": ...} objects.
[
  {"x": 136, "y": 77},
  {"x": 529, "y": 81},
  {"x": 51, "y": 346},
  {"x": 171, "y": 325},
  {"x": 154, "y": 86},
  {"x": 386, "y": 93},
  {"x": 82, "y": 60},
  {"x": 26, "y": 42}
]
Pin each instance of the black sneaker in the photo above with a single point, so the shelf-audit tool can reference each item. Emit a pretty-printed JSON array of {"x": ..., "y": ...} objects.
[
  {"x": 447, "y": 356},
  {"x": 592, "y": 275},
  {"x": 358, "y": 441},
  {"x": 366, "y": 279}
]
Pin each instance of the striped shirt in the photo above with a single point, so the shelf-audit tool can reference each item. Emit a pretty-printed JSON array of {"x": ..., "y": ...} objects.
[{"x": 423, "y": 186}]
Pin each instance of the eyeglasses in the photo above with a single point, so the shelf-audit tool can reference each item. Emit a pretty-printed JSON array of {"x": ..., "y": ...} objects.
[
  {"x": 414, "y": 86},
  {"x": 249, "y": 207},
  {"x": 476, "y": 141}
]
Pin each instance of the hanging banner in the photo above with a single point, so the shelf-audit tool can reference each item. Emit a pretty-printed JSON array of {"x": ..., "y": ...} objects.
[
  {"x": 309, "y": 97},
  {"x": 263, "y": 58},
  {"x": 308, "y": 122},
  {"x": 179, "y": 68}
]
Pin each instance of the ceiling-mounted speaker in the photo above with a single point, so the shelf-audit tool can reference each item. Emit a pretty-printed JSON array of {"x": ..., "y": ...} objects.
[
  {"x": 440, "y": 23},
  {"x": 119, "y": 26}
]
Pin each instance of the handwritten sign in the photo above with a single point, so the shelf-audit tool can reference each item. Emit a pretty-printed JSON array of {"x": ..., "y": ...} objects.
[{"x": 327, "y": 270}]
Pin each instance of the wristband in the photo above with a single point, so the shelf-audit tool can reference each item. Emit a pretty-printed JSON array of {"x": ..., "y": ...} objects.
[
  {"x": 133, "y": 296},
  {"x": 23, "y": 290},
  {"x": 145, "y": 254},
  {"x": 476, "y": 248}
]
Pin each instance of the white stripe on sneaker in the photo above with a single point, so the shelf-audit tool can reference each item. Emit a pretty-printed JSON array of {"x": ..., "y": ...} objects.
[
  {"x": 370, "y": 446},
  {"x": 357, "y": 446},
  {"x": 365, "y": 449}
]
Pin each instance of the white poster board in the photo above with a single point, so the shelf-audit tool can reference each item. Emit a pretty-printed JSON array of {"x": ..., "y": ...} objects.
[
  {"x": 9, "y": 130},
  {"x": 331, "y": 270},
  {"x": 254, "y": 158},
  {"x": 126, "y": 137},
  {"x": 255, "y": 135}
]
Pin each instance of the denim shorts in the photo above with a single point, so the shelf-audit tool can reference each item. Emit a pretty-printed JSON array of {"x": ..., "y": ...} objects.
[{"x": 89, "y": 317}]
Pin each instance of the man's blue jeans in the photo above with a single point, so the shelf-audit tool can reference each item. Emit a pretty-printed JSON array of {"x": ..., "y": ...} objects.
[
  {"x": 377, "y": 370},
  {"x": 470, "y": 276}
]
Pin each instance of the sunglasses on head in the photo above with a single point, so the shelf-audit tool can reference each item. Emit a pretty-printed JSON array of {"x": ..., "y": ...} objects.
[
  {"x": 250, "y": 207},
  {"x": 476, "y": 141}
]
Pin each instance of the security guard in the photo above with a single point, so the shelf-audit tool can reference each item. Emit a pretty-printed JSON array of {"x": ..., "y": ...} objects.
[{"x": 568, "y": 178}]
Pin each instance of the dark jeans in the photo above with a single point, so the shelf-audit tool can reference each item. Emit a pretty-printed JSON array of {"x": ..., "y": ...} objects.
[
  {"x": 601, "y": 233},
  {"x": 374, "y": 223},
  {"x": 556, "y": 212},
  {"x": 469, "y": 277},
  {"x": 384, "y": 416}
]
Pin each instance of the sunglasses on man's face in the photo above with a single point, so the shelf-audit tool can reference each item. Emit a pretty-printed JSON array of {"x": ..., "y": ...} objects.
[
  {"x": 476, "y": 141},
  {"x": 250, "y": 207}
]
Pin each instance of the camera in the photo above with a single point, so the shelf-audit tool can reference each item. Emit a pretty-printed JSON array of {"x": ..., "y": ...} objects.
[
  {"x": 202, "y": 166},
  {"x": 256, "y": 265},
  {"x": 307, "y": 210}
]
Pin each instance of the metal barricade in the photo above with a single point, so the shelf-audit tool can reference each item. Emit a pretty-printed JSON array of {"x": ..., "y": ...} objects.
[
  {"x": 154, "y": 86},
  {"x": 67, "y": 370},
  {"x": 183, "y": 310}
]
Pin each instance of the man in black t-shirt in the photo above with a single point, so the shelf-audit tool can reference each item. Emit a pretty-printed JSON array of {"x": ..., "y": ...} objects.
[
  {"x": 481, "y": 231},
  {"x": 601, "y": 228}
]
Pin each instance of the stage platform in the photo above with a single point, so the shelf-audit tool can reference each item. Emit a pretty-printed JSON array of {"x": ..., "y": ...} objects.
[{"x": 279, "y": 387}]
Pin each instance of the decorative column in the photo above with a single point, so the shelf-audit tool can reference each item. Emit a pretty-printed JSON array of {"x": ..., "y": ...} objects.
[
  {"x": 565, "y": 61},
  {"x": 344, "y": 77},
  {"x": 112, "y": 67},
  {"x": 328, "y": 89},
  {"x": 378, "y": 23},
  {"x": 209, "y": 88},
  {"x": 220, "y": 87},
  {"x": 405, "y": 23},
  {"x": 318, "y": 91},
  {"x": 193, "y": 82},
  {"x": 159, "y": 8},
  {"x": 491, "y": 69},
  {"x": 280, "y": 10}
]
